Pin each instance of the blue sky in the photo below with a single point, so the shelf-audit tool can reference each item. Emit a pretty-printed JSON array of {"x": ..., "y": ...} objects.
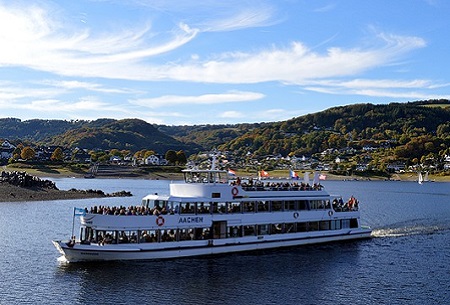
[{"x": 214, "y": 62}]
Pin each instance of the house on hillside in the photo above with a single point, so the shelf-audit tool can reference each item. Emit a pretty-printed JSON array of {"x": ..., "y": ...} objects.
[
  {"x": 6, "y": 150},
  {"x": 155, "y": 160},
  {"x": 396, "y": 166}
]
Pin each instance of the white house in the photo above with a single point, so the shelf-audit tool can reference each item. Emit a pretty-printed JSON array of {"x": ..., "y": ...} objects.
[
  {"x": 155, "y": 160},
  {"x": 6, "y": 150}
]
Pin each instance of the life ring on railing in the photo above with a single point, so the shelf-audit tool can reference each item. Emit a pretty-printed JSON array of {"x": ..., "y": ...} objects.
[
  {"x": 160, "y": 221},
  {"x": 234, "y": 191},
  {"x": 330, "y": 213},
  {"x": 296, "y": 215}
]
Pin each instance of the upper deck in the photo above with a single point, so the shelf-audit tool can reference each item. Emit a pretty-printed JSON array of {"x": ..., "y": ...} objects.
[{"x": 214, "y": 185}]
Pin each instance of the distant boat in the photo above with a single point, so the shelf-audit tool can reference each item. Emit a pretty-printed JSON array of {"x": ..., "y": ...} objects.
[{"x": 420, "y": 180}]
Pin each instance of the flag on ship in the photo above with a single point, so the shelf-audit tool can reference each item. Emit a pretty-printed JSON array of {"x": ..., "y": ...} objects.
[
  {"x": 263, "y": 173},
  {"x": 79, "y": 212},
  {"x": 231, "y": 172},
  {"x": 293, "y": 174}
]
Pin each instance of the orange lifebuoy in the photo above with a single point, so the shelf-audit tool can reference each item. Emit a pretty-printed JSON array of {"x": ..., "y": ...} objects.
[
  {"x": 234, "y": 191},
  {"x": 160, "y": 220}
]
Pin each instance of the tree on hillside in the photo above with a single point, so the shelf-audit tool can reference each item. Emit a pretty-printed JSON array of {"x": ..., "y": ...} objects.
[
  {"x": 181, "y": 157},
  {"x": 171, "y": 156},
  {"x": 57, "y": 155},
  {"x": 28, "y": 153}
]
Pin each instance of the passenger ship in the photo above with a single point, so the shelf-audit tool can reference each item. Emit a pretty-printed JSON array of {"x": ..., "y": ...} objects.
[{"x": 209, "y": 213}]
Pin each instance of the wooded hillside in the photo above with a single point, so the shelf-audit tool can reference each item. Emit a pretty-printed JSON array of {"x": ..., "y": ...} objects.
[{"x": 412, "y": 130}]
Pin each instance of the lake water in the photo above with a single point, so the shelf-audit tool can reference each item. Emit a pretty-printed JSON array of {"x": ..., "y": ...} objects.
[{"x": 407, "y": 261}]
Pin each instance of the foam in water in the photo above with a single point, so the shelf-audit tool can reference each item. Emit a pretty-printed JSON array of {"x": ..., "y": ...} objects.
[{"x": 406, "y": 231}]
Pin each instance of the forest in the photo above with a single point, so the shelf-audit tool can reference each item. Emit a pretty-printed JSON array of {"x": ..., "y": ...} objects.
[{"x": 411, "y": 132}]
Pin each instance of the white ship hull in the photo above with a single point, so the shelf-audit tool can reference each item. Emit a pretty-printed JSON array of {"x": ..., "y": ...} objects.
[{"x": 96, "y": 252}]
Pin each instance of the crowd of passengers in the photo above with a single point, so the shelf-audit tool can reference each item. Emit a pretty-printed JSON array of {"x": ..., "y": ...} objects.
[
  {"x": 131, "y": 210},
  {"x": 340, "y": 206},
  {"x": 157, "y": 210},
  {"x": 145, "y": 237},
  {"x": 259, "y": 185}
]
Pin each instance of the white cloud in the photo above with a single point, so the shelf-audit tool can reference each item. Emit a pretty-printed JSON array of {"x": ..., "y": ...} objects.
[
  {"x": 74, "y": 85},
  {"x": 205, "y": 99},
  {"x": 389, "y": 88},
  {"x": 39, "y": 41},
  {"x": 232, "y": 114}
]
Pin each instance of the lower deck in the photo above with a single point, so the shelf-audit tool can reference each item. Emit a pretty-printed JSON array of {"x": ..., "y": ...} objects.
[
  {"x": 166, "y": 250},
  {"x": 218, "y": 230}
]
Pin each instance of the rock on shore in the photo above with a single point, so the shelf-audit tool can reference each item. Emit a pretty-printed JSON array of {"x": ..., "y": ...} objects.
[{"x": 19, "y": 186}]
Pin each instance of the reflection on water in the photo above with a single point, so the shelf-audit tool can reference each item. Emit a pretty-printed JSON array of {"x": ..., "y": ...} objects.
[{"x": 249, "y": 278}]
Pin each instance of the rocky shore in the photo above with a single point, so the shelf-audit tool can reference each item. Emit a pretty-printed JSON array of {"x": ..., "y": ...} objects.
[{"x": 20, "y": 186}]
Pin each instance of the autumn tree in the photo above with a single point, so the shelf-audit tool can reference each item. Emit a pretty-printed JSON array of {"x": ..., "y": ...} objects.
[
  {"x": 28, "y": 153},
  {"x": 57, "y": 154}
]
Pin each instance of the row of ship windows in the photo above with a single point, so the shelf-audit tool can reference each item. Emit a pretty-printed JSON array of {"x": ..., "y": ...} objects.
[
  {"x": 235, "y": 207},
  {"x": 218, "y": 231}
]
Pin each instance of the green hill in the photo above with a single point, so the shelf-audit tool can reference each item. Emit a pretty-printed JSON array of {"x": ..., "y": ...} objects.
[
  {"x": 127, "y": 134},
  {"x": 422, "y": 126}
]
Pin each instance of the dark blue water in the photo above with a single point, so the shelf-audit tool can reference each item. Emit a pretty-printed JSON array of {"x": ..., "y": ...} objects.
[{"x": 407, "y": 261}]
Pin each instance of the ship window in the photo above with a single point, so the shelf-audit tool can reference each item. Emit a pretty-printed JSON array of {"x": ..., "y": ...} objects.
[
  {"x": 303, "y": 205},
  {"x": 325, "y": 225},
  {"x": 277, "y": 205},
  {"x": 219, "y": 207},
  {"x": 234, "y": 207},
  {"x": 215, "y": 195},
  {"x": 235, "y": 231},
  {"x": 277, "y": 228},
  {"x": 249, "y": 230},
  {"x": 289, "y": 227},
  {"x": 263, "y": 206},
  {"x": 289, "y": 205},
  {"x": 187, "y": 208},
  {"x": 222, "y": 207},
  {"x": 314, "y": 226},
  {"x": 335, "y": 225},
  {"x": 353, "y": 223},
  {"x": 302, "y": 227},
  {"x": 249, "y": 207},
  {"x": 186, "y": 234},
  {"x": 345, "y": 223},
  {"x": 203, "y": 208},
  {"x": 317, "y": 204},
  {"x": 168, "y": 235},
  {"x": 263, "y": 229}
]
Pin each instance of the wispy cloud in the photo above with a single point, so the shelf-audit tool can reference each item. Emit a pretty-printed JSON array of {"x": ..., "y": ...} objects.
[
  {"x": 39, "y": 43},
  {"x": 205, "y": 99},
  {"x": 389, "y": 88}
]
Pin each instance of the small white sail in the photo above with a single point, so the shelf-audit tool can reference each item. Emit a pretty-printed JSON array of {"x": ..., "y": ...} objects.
[{"x": 420, "y": 178}]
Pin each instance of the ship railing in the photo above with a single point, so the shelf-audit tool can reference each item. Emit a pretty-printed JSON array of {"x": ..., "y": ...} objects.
[{"x": 281, "y": 188}]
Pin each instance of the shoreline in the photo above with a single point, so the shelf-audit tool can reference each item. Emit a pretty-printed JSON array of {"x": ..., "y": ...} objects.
[{"x": 12, "y": 193}]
